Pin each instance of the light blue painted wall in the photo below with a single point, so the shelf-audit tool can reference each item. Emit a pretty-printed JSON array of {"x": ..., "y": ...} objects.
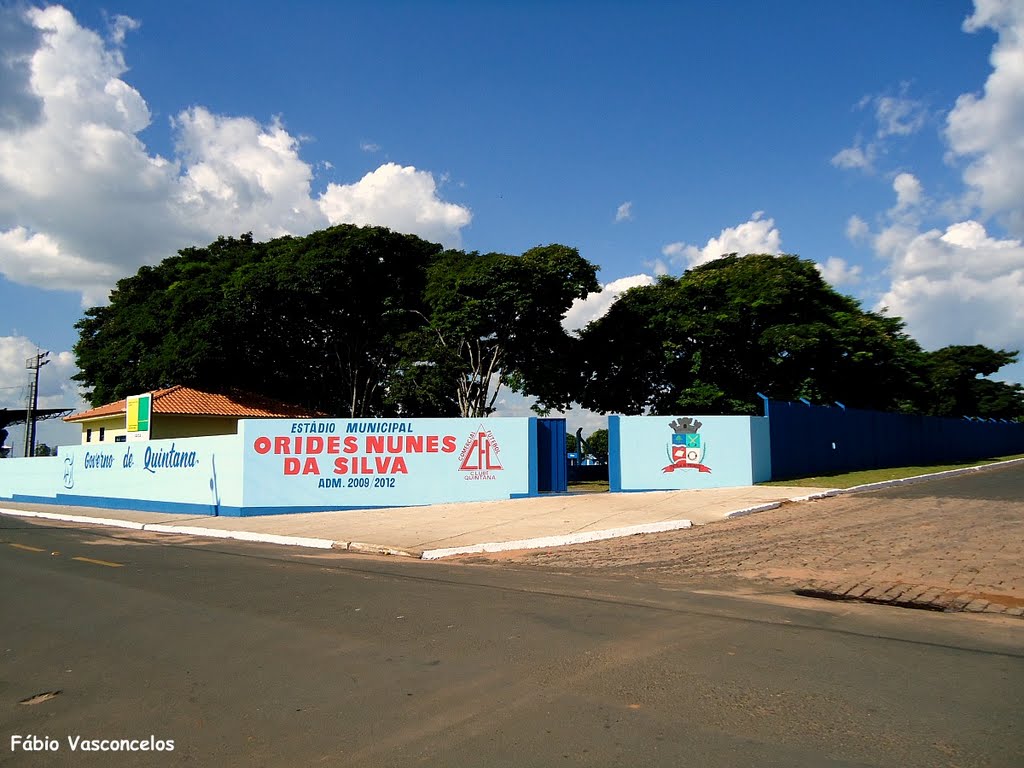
[
  {"x": 732, "y": 449},
  {"x": 331, "y": 463},
  {"x": 30, "y": 478},
  {"x": 193, "y": 474}
]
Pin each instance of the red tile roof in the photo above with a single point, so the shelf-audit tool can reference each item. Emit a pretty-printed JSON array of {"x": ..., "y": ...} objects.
[{"x": 192, "y": 402}]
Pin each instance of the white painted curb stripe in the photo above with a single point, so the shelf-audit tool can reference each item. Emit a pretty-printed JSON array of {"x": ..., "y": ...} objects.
[
  {"x": 496, "y": 546},
  {"x": 73, "y": 518},
  {"x": 267, "y": 538},
  {"x": 217, "y": 533},
  {"x": 557, "y": 541},
  {"x": 752, "y": 510}
]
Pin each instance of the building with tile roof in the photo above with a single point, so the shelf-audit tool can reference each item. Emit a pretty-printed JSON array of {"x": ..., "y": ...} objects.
[{"x": 180, "y": 411}]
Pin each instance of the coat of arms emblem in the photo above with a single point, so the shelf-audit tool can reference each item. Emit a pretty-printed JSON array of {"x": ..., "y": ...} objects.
[{"x": 686, "y": 449}]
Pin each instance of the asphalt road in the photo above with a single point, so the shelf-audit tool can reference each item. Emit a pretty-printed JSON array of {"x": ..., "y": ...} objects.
[
  {"x": 249, "y": 655},
  {"x": 958, "y": 537}
]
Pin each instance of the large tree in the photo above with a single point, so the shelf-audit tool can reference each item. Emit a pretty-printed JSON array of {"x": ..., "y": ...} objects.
[
  {"x": 956, "y": 383},
  {"x": 713, "y": 338},
  {"x": 322, "y": 317},
  {"x": 495, "y": 319},
  {"x": 314, "y": 320},
  {"x": 164, "y": 325},
  {"x": 356, "y": 321}
]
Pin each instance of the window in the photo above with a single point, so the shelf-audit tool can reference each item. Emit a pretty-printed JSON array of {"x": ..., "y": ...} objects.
[
  {"x": 88, "y": 435},
  {"x": 102, "y": 430}
]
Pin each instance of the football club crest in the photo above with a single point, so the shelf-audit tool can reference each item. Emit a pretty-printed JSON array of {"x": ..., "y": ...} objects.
[
  {"x": 480, "y": 455},
  {"x": 686, "y": 449}
]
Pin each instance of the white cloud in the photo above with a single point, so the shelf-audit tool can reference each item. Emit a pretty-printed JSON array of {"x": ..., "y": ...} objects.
[
  {"x": 989, "y": 129},
  {"x": 956, "y": 286},
  {"x": 908, "y": 190},
  {"x": 758, "y": 235},
  {"x": 837, "y": 271},
  {"x": 19, "y": 106},
  {"x": 39, "y": 260},
  {"x": 898, "y": 116},
  {"x": 624, "y": 212},
  {"x": 402, "y": 198},
  {"x": 369, "y": 146},
  {"x": 596, "y": 304},
  {"x": 959, "y": 286},
  {"x": 242, "y": 176},
  {"x": 856, "y": 228},
  {"x": 84, "y": 202},
  {"x": 957, "y": 283},
  {"x": 120, "y": 26},
  {"x": 55, "y": 386},
  {"x": 852, "y": 157}
]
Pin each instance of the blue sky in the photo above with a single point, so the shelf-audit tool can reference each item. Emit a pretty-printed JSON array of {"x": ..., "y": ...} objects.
[{"x": 883, "y": 140}]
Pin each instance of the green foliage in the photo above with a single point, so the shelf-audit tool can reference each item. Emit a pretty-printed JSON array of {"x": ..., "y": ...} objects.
[
  {"x": 314, "y": 320},
  {"x": 570, "y": 443},
  {"x": 42, "y": 449},
  {"x": 494, "y": 319},
  {"x": 710, "y": 340},
  {"x": 597, "y": 445},
  {"x": 351, "y": 320},
  {"x": 956, "y": 387}
]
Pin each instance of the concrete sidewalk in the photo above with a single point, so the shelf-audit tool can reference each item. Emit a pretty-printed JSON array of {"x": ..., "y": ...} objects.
[{"x": 443, "y": 530}]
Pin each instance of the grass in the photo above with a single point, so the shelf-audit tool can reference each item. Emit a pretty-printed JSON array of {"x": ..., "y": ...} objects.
[
  {"x": 589, "y": 486},
  {"x": 863, "y": 477}
]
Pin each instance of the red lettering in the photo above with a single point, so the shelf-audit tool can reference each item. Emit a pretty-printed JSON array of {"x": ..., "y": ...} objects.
[
  {"x": 383, "y": 462},
  {"x": 395, "y": 444},
  {"x": 432, "y": 442},
  {"x": 282, "y": 445},
  {"x": 291, "y": 466},
  {"x": 399, "y": 468},
  {"x": 334, "y": 444},
  {"x": 351, "y": 444},
  {"x": 375, "y": 444},
  {"x": 262, "y": 445},
  {"x": 414, "y": 444},
  {"x": 310, "y": 467},
  {"x": 341, "y": 466},
  {"x": 314, "y": 444},
  {"x": 448, "y": 444}
]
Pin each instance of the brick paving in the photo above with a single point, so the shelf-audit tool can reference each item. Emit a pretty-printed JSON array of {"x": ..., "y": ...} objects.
[{"x": 919, "y": 551}]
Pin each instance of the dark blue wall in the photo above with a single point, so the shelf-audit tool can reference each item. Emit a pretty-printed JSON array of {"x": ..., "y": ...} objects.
[
  {"x": 809, "y": 440},
  {"x": 551, "y": 461}
]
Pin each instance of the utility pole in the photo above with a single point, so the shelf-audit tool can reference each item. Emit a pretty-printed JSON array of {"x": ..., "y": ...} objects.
[{"x": 33, "y": 364}]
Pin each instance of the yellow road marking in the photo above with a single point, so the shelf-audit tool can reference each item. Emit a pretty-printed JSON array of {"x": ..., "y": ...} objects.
[
  {"x": 27, "y": 547},
  {"x": 98, "y": 562}
]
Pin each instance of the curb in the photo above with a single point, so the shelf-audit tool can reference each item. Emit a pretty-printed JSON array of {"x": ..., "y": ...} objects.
[
  {"x": 758, "y": 508},
  {"x": 556, "y": 541},
  {"x": 213, "y": 533},
  {"x": 494, "y": 546}
]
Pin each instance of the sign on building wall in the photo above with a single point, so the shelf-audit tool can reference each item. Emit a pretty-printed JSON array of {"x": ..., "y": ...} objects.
[
  {"x": 349, "y": 463},
  {"x": 286, "y": 465},
  {"x": 200, "y": 474},
  {"x": 138, "y": 415},
  {"x": 687, "y": 452}
]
